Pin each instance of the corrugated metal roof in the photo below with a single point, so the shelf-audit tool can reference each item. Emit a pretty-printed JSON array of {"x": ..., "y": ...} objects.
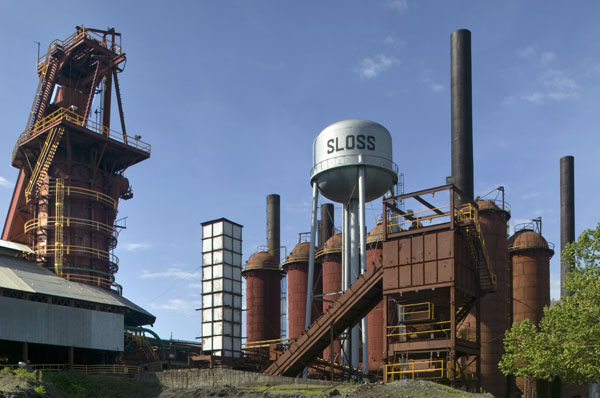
[
  {"x": 16, "y": 246},
  {"x": 18, "y": 274}
]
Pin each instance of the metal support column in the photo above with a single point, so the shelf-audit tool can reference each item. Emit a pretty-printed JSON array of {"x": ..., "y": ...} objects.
[
  {"x": 363, "y": 261},
  {"x": 311, "y": 257}
]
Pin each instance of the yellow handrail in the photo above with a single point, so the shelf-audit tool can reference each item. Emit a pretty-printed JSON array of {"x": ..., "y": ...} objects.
[
  {"x": 68, "y": 249},
  {"x": 66, "y": 43},
  {"x": 429, "y": 310},
  {"x": 65, "y": 114},
  {"x": 90, "y": 193},
  {"x": 49, "y": 222},
  {"x": 416, "y": 218},
  {"x": 408, "y": 368},
  {"x": 413, "y": 326}
]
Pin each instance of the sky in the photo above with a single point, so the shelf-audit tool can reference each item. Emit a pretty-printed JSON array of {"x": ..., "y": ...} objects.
[{"x": 231, "y": 94}]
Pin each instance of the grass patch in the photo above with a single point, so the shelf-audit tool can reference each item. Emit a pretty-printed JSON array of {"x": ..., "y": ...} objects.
[
  {"x": 81, "y": 385},
  {"x": 305, "y": 389}
]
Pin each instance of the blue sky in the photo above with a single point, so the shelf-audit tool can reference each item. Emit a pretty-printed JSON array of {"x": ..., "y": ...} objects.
[{"x": 232, "y": 93}]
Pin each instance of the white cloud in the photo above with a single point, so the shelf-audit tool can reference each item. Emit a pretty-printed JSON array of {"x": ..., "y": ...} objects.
[
  {"x": 178, "y": 305},
  {"x": 557, "y": 86},
  {"x": 371, "y": 67},
  {"x": 530, "y": 195},
  {"x": 135, "y": 246},
  {"x": 555, "y": 285},
  {"x": 547, "y": 57},
  {"x": 433, "y": 86},
  {"x": 393, "y": 41},
  {"x": 195, "y": 286},
  {"x": 399, "y": 5},
  {"x": 5, "y": 183},
  {"x": 174, "y": 273},
  {"x": 526, "y": 52}
]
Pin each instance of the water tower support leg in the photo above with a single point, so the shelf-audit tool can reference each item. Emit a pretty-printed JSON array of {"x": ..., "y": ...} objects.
[
  {"x": 363, "y": 261},
  {"x": 311, "y": 257}
]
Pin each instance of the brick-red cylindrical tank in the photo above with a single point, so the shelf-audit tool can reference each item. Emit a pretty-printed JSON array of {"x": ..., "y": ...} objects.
[
  {"x": 496, "y": 307},
  {"x": 296, "y": 266},
  {"x": 530, "y": 255},
  {"x": 330, "y": 257},
  {"x": 263, "y": 297},
  {"x": 374, "y": 256}
]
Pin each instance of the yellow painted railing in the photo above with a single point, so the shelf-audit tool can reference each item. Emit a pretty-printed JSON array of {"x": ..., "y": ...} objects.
[
  {"x": 88, "y": 193},
  {"x": 264, "y": 343},
  {"x": 400, "y": 222},
  {"x": 64, "y": 114},
  {"x": 49, "y": 222},
  {"x": 426, "y": 308},
  {"x": 433, "y": 369},
  {"x": 420, "y": 328},
  {"x": 75, "y": 37},
  {"x": 85, "y": 250},
  {"x": 58, "y": 227}
]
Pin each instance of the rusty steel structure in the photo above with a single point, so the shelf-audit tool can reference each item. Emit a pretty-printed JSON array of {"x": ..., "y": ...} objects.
[
  {"x": 263, "y": 292},
  {"x": 330, "y": 258},
  {"x": 296, "y": 267},
  {"x": 496, "y": 317},
  {"x": 530, "y": 255},
  {"x": 64, "y": 204},
  {"x": 436, "y": 269},
  {"x": 374, "y": 257}
]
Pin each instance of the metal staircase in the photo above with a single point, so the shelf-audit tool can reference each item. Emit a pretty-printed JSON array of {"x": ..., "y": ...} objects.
[
  {"x": 476, "y": 245},
  {"x": 43, "y": 163},
  {"x": 44, "y": 92},
  {"x": 349, "y": 308}
]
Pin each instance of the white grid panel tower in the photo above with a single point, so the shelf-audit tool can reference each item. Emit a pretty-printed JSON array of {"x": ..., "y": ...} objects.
[{"x": 222, "y": 288}]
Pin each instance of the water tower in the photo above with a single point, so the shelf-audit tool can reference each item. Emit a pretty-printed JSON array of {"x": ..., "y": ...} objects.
[{"x": 352, "y": 165}]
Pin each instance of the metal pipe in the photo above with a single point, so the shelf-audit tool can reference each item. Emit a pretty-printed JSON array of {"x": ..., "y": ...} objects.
[
  {"x": 363, "y": 261},
  {"x": 567, "y": 213},
  {"x": 461, "y": 111},
  {"x": 354, "y": 272},
  {"x": 311, "y": 257},
  {"x": 326, "y": 226},
  {"x": 273, "y": 225},
  {"x": 345, "y": 276}
]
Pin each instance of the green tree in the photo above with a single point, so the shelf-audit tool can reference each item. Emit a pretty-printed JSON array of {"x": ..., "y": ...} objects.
[{"x": 567, "y": 342}]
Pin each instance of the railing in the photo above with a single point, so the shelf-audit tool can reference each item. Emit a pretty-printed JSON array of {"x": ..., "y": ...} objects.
[
  {"x": 108, "y": 369},
  {"x": 416, "y": 369},
  {"x": 413, "y": 220},
  {"x": 64, "y": 114},
  {"x": 414, "y": 330},
  {"x": 68, "y": 249},
  {"x": 88, "y": 193},
  {"x": 426, "y": 308},
  {"x": 49, "y": 222},
  {"x": 264, "y": 343},
  {"x": 75, "y": 37},
  {"x": 94, "y": 280}
]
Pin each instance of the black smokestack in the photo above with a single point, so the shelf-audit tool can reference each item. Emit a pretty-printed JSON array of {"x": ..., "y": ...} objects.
[
  {"x": 273, "y": 225},
  {"x": 567, "y": 213},
  {"x": 326, "y": 226},
  {"x": 462, "y": 111}
]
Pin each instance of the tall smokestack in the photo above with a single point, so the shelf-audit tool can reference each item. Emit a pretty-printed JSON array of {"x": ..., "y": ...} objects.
[
  {"x": 461, "y": 109},
  {"x": 326, "y": 225},
  {"x": 273, "y": 225},
  {"x": 567, "y": 213}
]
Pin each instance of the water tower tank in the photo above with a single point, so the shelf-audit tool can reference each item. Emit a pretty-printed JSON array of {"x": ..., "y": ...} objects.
[{"x": 341, "y": 148}]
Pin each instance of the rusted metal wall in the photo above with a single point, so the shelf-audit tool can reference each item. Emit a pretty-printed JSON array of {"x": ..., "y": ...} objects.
[
  {"x": 375, "y": 317},
  {"x": 331, "y": 262},
  {"x": 420, "y": 261},
  {"x": 296, "y": 267},
  {"x": 530, "y": 257},
  {"x": 495, "y": 307},
  {"x": 263, "y": 311}
]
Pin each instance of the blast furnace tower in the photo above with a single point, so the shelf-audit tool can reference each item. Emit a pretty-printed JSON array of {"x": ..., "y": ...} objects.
[{"x": 71, "y": 167}]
